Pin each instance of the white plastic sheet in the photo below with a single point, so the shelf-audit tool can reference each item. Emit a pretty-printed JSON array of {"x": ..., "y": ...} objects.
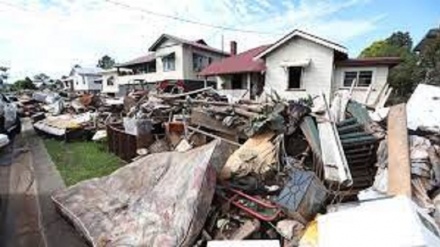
[{"x": 423, "y": 111}]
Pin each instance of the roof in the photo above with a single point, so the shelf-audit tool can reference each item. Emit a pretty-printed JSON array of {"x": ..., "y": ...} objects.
[
  {"x": 370, "y": 61},
  {"x": 87, "y": 71},
  {"x": 144, "y": 59},
  {"x": 240, "y": 63},
  {"x": 431, "y": 34},
  {"x": 200, "y": 44},
  {"x": 304, "y": 35}
]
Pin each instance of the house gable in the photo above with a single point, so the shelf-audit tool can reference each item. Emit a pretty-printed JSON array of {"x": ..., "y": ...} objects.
[
  {"x": 301, "y": 34},
  {"x": 315, "y": 61},
  {"x": 163, "y": 42}
]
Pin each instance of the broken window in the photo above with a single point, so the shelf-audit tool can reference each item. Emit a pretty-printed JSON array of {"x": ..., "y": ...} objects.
[
  {"x": 169, "y": 62},
  {"x": 363, "y": 78},
  {"x": 111, "y": 81},
  {"x": 294, "y": 77},
  {"x": 200, "y": 62},
  {"x": 237, "y": 82}
]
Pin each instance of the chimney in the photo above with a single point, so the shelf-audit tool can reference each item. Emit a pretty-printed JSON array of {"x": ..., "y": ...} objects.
[{"x": 233, "y": 48}]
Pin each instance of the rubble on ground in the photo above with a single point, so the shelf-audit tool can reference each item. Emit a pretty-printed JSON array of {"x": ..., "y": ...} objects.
[{"x": 302, "y": 173}]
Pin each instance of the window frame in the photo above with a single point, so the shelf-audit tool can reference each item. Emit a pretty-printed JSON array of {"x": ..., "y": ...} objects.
[
  {"x": 110, "y": 81},
  {"x": 358, "y": 72},
  {"x": 300, "y": 78},
  {"x": 166, "y": 63},
  {"x": 200, "y": 61}
]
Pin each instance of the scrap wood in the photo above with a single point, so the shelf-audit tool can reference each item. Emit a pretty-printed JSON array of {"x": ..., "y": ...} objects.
[
  {"x": 399, "y": 166},
  {"x": 213, "y": 136},
  {"x": 232, "y": 110},
  {"x": 245, "y": 230},
  {"x": 201, "y": 118},
  {"x": 175, "y": 96},
  {"x": 335, "y": 163},
  {"x": 257, "y": 154},
  {"x": 253, "y": 108}
]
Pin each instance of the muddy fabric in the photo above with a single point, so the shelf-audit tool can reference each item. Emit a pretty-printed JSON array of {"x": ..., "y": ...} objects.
[{"x": 159, "y": 200}]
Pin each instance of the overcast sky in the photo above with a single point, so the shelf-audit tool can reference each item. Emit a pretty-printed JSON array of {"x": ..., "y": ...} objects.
[{"x": 51, "y": 36}]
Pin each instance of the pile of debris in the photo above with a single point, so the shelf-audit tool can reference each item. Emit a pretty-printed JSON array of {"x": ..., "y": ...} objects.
[{"x": 211, "y": 171}]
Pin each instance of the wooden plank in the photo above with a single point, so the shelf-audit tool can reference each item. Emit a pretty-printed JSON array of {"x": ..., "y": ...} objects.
[
  {"x": 399, "y": 166},
  {"x": 200, "y": 118},
  {"x": 214, "y": 136},
  {"x": 335, "y": 164}
]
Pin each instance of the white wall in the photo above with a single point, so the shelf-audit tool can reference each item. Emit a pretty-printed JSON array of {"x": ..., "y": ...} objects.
[
  {"x": 86, "y": 82},
  {"x": 316, "y": 78},
  {"x": 379, "y": 80},
  {"x": 188, "y": 69},
  {"x": 109, "y": 88}
]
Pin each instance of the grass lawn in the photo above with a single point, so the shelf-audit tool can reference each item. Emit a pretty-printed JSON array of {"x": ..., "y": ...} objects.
[{"x": 78, "y": 161}]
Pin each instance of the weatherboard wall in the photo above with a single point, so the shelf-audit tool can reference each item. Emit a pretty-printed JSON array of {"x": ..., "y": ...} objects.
[{"x": 316, "y": 78}]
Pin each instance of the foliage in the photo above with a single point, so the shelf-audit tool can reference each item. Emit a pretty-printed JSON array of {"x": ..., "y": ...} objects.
[
  {"x": 430, "y": 61},
  {"x": 78, "y": 161},
  {"x": 405, "y": 76},
  {"x": 41, "y": 77},
  {"x": 106, "y": 62},
  {"x": 400, "y": 39},
  {"x": 26, "y": 83}
]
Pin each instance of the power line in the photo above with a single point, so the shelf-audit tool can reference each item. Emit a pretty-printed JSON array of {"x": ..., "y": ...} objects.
[{"x": 181, "y": 19}]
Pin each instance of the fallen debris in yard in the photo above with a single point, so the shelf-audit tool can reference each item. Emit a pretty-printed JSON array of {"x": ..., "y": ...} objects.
[{"x": 290, "y": 173}]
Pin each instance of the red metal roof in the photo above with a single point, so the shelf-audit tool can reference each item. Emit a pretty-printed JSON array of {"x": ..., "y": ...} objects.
[
  {"x": 370, "y": 61},
  {"x": 240, "y": 63}
]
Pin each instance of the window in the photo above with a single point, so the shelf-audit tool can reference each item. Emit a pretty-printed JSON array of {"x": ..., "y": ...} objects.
[
  {"x": 294, "y": 79},
  {"x": 363, "y": 78},
  {"x": 97, "y": 81},
  {"x": 111, "y": 81},
  {"x": 200, "y": 62},
  {"x": 169, "y": 62},
  {"x": 349, "y": 77}
]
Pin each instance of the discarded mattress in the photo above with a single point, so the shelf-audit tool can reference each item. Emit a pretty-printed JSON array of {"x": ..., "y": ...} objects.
[
  {"x": 423, "y": 111},
  {"x": 159, "y": 200},
  {"x": 58, "y": 125}
]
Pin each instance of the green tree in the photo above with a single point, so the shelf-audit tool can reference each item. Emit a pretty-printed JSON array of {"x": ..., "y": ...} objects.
[
  {"x": 400, "y": 39},
  {"x": 106, "y": 62},
  {"x": 405, "y": 76},
  {"x": 42, "y": 77},
  {"x": 26, "y": 83},
  {"x": 430, "y": 61}
]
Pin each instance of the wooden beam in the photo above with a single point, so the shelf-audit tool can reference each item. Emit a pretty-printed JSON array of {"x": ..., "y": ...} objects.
[
  {"x": 200, "y": 118},
  {"x": 214, "y": 136},
  {"x": 399, "y": 166}
]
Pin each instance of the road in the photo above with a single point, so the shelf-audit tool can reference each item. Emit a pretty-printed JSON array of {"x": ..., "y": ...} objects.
[{"x": 27, "y": 179}]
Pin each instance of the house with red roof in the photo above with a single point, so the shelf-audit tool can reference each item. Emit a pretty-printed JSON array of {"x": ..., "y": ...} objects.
[
  {"x": 170, "y": 60},
  {"x": 300, "y": 65}
]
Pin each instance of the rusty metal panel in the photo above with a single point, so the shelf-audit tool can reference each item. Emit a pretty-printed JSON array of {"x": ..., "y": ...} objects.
[{"x": 120, "y": 143}]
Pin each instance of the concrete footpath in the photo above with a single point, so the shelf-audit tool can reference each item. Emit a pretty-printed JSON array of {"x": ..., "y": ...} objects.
[{"x": 27, "y": 179}]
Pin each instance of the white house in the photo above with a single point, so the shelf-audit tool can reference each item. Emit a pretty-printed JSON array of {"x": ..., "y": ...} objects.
[
  {"x": 84, "y": 80},
  {"x": 169, "y": 59},
  {"x": 301, "y": 64}
]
